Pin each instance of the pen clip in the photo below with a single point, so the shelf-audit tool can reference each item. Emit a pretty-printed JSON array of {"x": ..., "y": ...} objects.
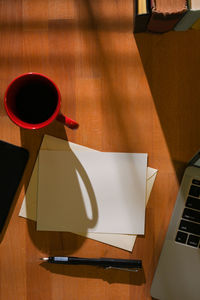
[{"x": 123, "y": 269}]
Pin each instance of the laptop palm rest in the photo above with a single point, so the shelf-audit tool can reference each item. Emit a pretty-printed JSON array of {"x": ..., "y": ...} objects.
[{"x": 176, "y": 278}]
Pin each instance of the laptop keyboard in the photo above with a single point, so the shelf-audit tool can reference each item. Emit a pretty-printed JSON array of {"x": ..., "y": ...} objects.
[{"x": 189, "y": 227}]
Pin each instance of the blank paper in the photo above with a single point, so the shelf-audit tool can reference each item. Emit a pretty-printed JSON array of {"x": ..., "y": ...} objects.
[{"x": 91, "y": 192}]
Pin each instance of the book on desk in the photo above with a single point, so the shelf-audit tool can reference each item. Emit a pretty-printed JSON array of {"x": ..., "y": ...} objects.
[{"x": 159, "y": 16}]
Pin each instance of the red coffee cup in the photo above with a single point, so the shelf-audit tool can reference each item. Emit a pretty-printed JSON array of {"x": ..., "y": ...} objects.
[{"x": 32, "y": 101}]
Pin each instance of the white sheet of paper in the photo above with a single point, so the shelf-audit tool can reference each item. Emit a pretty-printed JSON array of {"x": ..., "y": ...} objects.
[
  {"x": 92, "y": 191},
  {"x": 29, "y": 205}
]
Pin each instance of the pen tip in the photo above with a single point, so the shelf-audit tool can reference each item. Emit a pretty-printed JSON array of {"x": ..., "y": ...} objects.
[{"x": 44, "y": 258}]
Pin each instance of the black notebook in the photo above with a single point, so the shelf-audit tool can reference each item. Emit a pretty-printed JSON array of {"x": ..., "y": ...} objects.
[{"x": 13, "y": 160}]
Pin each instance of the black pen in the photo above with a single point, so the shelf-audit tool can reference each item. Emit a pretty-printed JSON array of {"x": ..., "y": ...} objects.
[{"x": 107, "y": 263}]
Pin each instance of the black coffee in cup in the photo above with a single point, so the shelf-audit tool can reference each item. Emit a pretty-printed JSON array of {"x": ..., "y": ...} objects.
[{"x": 35, "y": 100}]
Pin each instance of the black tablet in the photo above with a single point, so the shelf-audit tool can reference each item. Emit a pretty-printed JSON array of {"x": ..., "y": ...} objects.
[{"x": 13, "y": 160}]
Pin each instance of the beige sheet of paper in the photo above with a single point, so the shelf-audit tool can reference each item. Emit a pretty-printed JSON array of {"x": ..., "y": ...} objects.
[
  {"x": 84, "y": 191},
  {"x": 29, "y": 206}
]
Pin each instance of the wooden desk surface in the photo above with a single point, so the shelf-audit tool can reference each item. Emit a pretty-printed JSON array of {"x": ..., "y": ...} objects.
[{"x": 130, "y": 94}]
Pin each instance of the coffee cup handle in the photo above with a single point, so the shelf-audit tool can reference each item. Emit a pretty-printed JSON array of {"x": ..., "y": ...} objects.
[{"x": 67, "y": 121}]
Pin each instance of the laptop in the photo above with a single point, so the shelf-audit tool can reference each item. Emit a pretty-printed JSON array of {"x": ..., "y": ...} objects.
[{"x": 177, "y": 275}]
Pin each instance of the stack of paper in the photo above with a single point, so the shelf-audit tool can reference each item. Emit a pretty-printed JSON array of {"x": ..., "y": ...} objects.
[{"x": 95, "y": 194}]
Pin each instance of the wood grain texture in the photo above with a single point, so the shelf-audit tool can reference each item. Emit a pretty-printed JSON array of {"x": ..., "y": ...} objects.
[{"x": 130, "y": 94}]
